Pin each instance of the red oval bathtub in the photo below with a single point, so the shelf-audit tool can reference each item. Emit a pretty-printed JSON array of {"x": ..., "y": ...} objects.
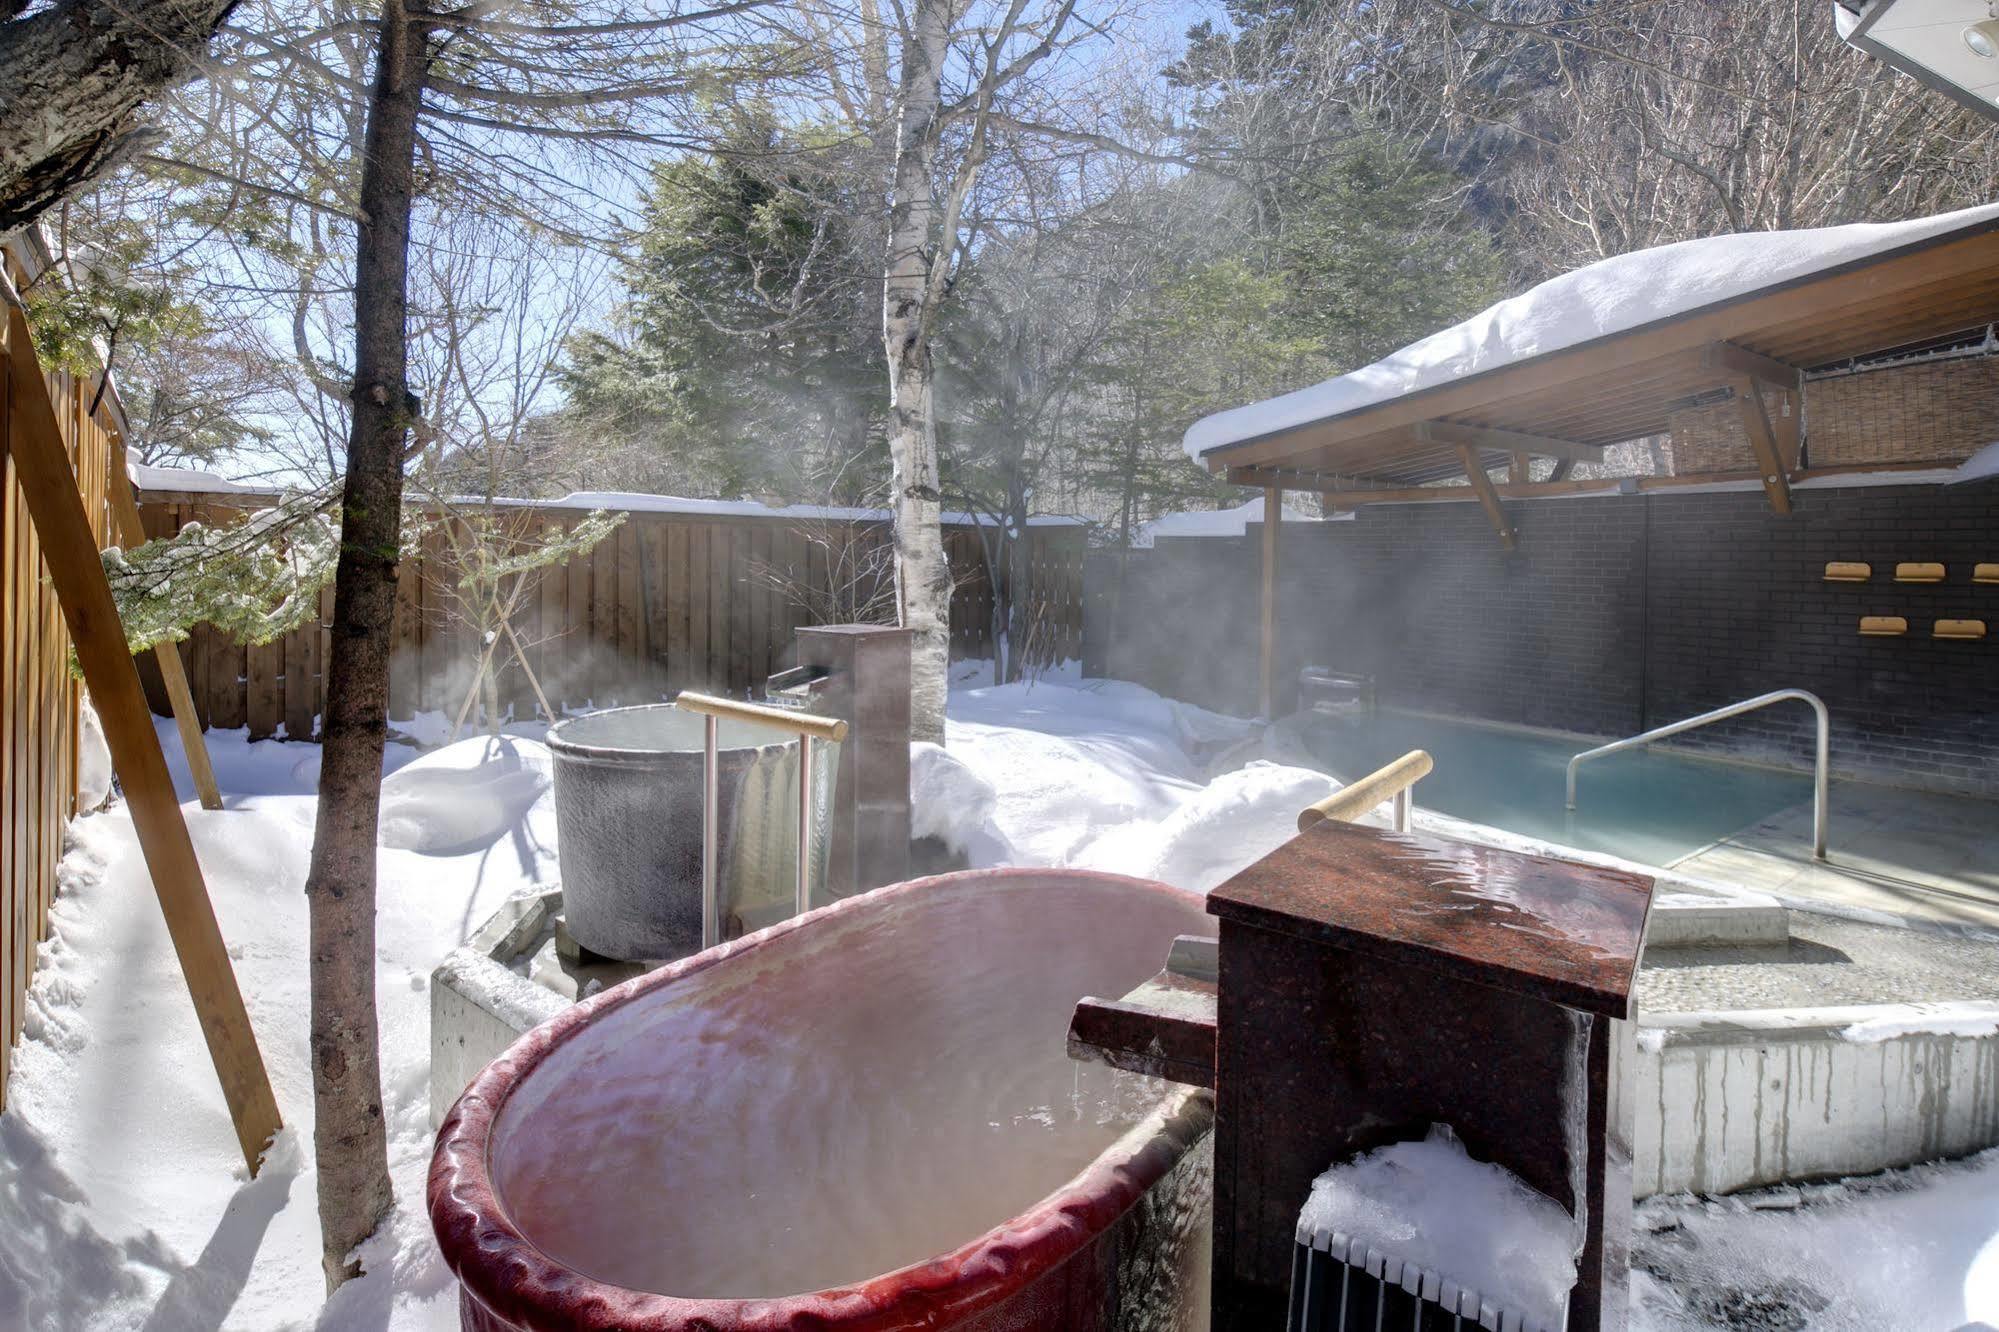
[{"x": 862, "y": 1119}]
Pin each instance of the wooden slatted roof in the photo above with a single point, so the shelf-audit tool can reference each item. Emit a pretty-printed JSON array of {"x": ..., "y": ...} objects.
[{"x": 1574, "y": 401}]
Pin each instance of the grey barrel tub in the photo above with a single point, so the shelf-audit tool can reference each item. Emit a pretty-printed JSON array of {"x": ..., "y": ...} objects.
[{"x": 628, "y": 827}]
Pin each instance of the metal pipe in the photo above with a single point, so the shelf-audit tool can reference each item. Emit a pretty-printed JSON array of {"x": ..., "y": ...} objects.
[
  {"x": 1404, "y": 806},
  {"x": 802, "y": 903},
  {"x": 1821, "y": 759},
  {"x": 711, "y": 780},
  {"x": 784, "y": 719}
]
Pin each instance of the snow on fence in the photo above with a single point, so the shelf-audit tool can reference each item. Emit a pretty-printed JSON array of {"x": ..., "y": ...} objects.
[
  {"x": 684, "y": 595},
  {"x": 39, "y": 699}
]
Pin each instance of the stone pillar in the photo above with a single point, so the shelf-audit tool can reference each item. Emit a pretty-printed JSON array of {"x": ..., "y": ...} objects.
[{"x": 867, "y": 683}]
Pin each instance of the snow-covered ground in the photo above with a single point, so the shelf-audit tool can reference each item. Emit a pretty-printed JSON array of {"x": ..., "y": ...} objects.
[{"x": 123, "y": 1203}]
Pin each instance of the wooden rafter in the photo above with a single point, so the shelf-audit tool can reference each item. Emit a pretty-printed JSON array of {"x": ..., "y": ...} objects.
[
  {"x": 1763, "y": 442},
  {"x": 1464, "y": 494},
  {"x": 1505, "y": 441},
  {"x": 1730, "y": 362},
  {"x": 1488, "y": 498}
]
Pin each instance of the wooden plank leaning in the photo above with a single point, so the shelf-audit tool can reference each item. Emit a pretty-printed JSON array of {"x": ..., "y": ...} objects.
[{"x": 41, "y": 463}]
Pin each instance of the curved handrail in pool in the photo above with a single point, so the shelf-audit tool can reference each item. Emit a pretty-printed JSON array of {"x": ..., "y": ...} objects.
[{"x": 1819, "y": 784}]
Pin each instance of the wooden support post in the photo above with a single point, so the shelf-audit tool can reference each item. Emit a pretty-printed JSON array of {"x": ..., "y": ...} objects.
[
  {"x": 34, "y": 439},
  {"x": 132, "y": 532},
  {"x": 1789, "y": 426},
  {"x": 1522, "y": 470},
  {"x": 1488, "y": 498},
  {"x": 1273, "y": 520},
  {"x": 1763, "y": 442}
]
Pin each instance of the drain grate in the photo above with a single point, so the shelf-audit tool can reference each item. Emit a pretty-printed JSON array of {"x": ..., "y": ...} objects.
[{"x": 1342, "y": 1284}]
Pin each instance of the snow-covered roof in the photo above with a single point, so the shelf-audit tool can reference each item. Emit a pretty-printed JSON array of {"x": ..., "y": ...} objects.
[
  {"x": 1611, "y": 296},
  {"x": 1211, "y": 522},
  {"x": 189, "y": 481}
]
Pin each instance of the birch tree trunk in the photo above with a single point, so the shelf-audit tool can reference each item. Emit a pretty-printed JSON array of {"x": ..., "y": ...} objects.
[
  {"x": 349, "y": 1140},
  {"x": 71, "y": 75},
  {"x": 915, "y": 247}
]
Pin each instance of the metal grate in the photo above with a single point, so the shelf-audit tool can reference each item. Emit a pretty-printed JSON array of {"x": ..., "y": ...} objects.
[{"x": 1341, "y": 1284}]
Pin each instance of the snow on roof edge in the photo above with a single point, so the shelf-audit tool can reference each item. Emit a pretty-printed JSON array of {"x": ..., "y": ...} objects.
[
  {"x": 185, "y": 480},
  {"x": 1612, "y": 296}
]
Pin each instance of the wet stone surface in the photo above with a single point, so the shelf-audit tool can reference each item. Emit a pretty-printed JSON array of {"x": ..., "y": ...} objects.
[{"x": 1828, "y": 961}]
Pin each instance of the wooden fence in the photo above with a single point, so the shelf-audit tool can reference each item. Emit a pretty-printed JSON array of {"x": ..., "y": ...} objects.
[
  {"x": 672, "y": 600},
  {"x": 39, "y": 700}
]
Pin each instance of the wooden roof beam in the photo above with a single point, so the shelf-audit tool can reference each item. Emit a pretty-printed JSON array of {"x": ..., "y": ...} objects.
[
  {"x": 1295, "y": 478},
  {"x": 1732, "y": 362},
  {"x": 1488, "y": 498},
  {"x": 1505, "y": 441},
  {"x": 1763, "y": 442}
]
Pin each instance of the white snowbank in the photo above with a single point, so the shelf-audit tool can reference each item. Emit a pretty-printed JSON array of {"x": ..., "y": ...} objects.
[
  {"x": 1913, "y": 1250},
  {"x": 1610, "y": 296},
  {"x": 1108, "y": 775},
  {"x": 93, "y": 760},
  {"x": 948, "y": 801},
  {"x": 123, "y": 1200},
  {"x": 1213, "y": 522},
  {"x": 1471, "y": 1222},
  {"x": 462, "y": 797}
]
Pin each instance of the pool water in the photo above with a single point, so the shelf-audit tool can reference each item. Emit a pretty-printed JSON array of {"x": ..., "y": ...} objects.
[{"x": 1642, "y": 805}]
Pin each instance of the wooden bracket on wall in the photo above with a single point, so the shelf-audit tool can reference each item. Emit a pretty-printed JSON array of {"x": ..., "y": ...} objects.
[
  {"x": 76, "y": 571},
  {"x": 1763, "y": 443},
  {"x": 1488, "y": 498}
]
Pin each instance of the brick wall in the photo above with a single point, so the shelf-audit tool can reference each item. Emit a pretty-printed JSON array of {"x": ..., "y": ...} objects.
[{"x": 1614, "y": 614}]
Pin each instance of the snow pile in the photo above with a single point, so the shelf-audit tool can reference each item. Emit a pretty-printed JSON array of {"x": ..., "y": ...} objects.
[
  {"x": 123, "y": 1199},
  {"x": 1477, "y": 1224},
  {"x": 464, "y": 796},
  {"x": 1913, "y": 1250},
  {"x": 950, "y": 802},
  {"x": 93, "y": 760},
  {"x": 1610, "y": 296},
  {"x": 1108, "y": 775}
]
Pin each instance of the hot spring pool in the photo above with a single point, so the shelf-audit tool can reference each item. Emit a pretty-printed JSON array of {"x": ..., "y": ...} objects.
[{"x": 1643, "y": 805}]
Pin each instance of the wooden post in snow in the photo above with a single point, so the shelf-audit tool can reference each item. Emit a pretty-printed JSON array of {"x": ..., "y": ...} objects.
[
  {"x": 41, "y": 463},
  {"x": 132, "y": 532},
  {"x": 1273, "y": 518}
]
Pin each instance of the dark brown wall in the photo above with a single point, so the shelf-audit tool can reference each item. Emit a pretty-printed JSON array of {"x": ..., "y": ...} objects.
[{"x": 1614, "y": 614}]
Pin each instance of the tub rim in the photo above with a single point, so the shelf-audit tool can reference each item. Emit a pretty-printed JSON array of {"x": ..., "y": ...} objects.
[
  {"x": 577, "y": 751},
  {"x": 503, "y": 1270}
]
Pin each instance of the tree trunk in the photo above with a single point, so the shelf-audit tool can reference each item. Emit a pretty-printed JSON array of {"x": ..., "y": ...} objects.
[
  {"x": 922, "y": 579},
  {"x": 71, "y": 76},
  {"x": 1019, "y": 587},
  {"x": 349, "y": 1140}
]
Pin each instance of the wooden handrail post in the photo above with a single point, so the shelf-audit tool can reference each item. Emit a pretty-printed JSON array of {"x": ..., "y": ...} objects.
[
  {"x": 1273, "y": 519},
  {"x": 1357, "y": 798},
  {"x": 42, "y": 468},
  {"x": 132, "y": 532}
]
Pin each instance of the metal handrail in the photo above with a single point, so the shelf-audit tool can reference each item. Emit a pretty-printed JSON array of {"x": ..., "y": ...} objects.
[
  {"x": 1391, "y": 782},
  {"x": 807, "y": 728},
  {"x": 1819, "y": 784}
]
